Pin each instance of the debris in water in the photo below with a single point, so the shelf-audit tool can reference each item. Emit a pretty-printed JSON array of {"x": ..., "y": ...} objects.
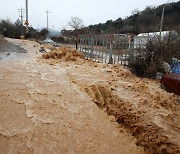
[
  {"x": 42, "y": 50},
  {"x": 64, "y": 53}
]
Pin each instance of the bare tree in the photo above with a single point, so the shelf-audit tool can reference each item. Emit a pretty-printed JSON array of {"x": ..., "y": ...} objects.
[{"x": 75, "y": 23}]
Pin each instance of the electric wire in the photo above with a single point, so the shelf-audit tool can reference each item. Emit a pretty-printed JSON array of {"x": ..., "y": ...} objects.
[{"x": 35, "y": 15}]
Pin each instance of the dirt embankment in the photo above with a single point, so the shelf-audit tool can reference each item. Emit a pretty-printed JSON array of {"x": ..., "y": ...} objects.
[
  {"x": 148, "y": 113},
  {"x": 6, "y": 47}
]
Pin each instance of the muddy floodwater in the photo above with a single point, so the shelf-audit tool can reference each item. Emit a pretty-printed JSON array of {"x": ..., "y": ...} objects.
[
  {"x": 62, "y": 106},
  {"x": 43, "y": 111}
]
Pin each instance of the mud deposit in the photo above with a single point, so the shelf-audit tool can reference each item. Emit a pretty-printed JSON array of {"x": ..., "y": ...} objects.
[
  {"x": 64, "y": 53},
  {"x": 156, "y": 132}
]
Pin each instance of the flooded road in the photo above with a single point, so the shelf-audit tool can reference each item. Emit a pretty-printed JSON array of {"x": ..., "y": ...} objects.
[{"x": 43, "y": 110}]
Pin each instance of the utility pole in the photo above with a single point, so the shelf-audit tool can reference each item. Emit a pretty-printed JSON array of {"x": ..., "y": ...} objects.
[
  {"x": 47, "y": 18},
  {"x": 21, "y": 16},
  {"x": 26, "y": 10},
  {"x": 162, "y": 19},
  {"x": 27, "y": 21}
]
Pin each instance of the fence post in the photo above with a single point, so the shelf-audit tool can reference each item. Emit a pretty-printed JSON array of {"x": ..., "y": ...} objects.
[
  {"x": 83, "y": 38},
  {"x": 131, "y": 50},
  {"x": 115, "y": 58},
  {"x": 99, "y": 46},
  {"x": 85, "y": 46},
  {"x": 95, "y": 48},
  {"x": 110, "y": 54},
  {"x": 118, "y": 58},
  {"x": 103, "y": 48},
  {"x": 80, "y": 42},
  {"x": 89, "y": 45},
  {"x": 106, "y": 48},
  {"x": 92, "y": 47},
  {"x": 131, "y": 47}
]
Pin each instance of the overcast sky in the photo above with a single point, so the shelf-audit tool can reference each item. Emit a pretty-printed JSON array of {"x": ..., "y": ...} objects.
[{"x": 90, "y": 11}]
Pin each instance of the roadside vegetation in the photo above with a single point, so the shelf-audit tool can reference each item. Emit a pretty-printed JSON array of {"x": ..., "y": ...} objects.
[
  {"x": 158, "y": 52},
  {"x": 13, "y": 30},
  {"x": 144, "y": 21}
]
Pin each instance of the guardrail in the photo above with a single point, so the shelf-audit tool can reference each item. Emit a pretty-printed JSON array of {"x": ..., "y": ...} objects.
[{"x": 112, "y": 49}]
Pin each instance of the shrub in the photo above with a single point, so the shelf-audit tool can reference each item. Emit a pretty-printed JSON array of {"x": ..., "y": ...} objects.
[
  {"x": 148, "y": 61},
  {"x": 58, "y": 39}
]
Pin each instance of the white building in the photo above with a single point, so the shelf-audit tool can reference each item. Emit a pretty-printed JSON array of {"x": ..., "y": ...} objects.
[{"x": 141, "y": 39}]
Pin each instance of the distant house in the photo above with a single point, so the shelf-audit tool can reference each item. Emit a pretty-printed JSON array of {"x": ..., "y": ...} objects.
[{"x": 141, "y": 39}]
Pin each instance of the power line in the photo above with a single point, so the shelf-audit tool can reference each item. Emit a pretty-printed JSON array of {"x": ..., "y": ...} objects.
[
  {"x": 41, "y": 4},
  {"x": 13, "y": 2},
  {"x": 4, "y": 5},
  {"x": 21, "y": 16},
  {"x": 35, "y": 13}
]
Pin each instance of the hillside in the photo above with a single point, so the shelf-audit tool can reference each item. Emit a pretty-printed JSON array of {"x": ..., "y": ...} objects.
[{"x": 145, "y": 21}]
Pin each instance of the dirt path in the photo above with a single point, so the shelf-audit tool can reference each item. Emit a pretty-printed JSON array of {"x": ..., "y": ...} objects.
[{"x": 44, "y": 110}]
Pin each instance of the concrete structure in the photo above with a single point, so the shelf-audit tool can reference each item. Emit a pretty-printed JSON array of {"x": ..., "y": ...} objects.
[{"x": 141, "y": 39}]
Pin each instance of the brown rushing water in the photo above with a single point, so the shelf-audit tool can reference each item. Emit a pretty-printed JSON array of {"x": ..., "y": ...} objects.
[{"x": 43, "y": 110}]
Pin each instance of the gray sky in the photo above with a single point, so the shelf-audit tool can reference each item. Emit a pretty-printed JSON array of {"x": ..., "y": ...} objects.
[{"x": 90, "y": 11}]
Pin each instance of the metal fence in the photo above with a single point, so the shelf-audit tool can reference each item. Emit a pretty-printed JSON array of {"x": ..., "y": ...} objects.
[{"x": 111, "y": 49}]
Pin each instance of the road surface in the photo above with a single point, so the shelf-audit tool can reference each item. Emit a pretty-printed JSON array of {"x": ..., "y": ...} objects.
[{"x": 42, "y": 110}]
